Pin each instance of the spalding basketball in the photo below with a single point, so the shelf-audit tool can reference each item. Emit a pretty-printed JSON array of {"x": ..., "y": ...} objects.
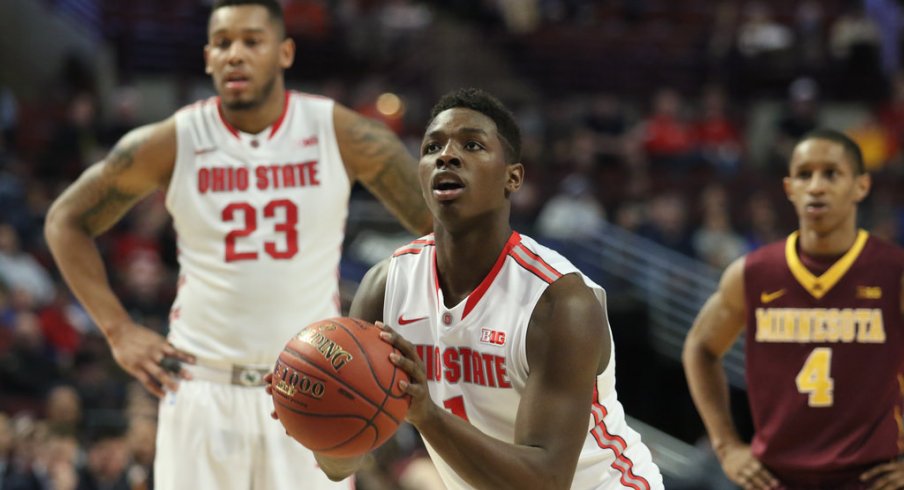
[{"x": 335, "y": 389}]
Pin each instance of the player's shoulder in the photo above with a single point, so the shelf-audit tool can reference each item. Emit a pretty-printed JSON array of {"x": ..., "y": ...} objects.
[
  {"x": 769, "y": 254},
  {"x": 198, "y": 106},
  {"x": 884, "y": 250},
  {"x": 415, "y": 247},
  {"x": 306, "y": 99}
]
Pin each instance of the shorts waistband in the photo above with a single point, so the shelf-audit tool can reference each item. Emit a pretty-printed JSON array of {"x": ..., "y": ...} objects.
[{"x": 227, "y": 373}]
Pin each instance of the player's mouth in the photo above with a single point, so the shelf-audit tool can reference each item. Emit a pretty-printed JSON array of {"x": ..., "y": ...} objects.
[
  {"x": 236, "y": 81},
  {"x": 816, "y": 208},
  {"x": 447, "y": 186}
]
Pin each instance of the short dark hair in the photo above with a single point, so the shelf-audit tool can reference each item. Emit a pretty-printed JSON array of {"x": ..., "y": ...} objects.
[
  {"x": 272, "y": 6},
  {"x": 851, "y": 148},
  {"x": 484, "y": 103}
]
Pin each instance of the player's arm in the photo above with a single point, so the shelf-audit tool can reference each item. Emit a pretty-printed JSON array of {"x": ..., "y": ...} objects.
[
  {"x": 140, "y": 163},
  {"x": 567, "y": 345},
  {"x": 367, "y": 305},
  {"x": 376, "y": 157},
  {"x": 715, "y": 329}
]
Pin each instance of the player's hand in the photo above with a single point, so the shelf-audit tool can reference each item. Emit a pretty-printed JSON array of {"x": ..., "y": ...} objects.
[
  {"x": 268, "y": 387},
  {"x": 421, "y": 404},
  {"x": 742, "y": 468},
  {"x": 140, "y": 351},
  {"x": 886, "y": 476}
]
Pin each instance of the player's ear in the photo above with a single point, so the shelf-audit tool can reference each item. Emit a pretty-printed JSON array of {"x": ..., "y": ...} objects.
[
  {"x": 862, "y": 185},
  {"x": 515, "y": 178},
  {"x": 786, "y": 184},
  {"x": 286, "y": 53},
  {"x": 207, "y": 68}
]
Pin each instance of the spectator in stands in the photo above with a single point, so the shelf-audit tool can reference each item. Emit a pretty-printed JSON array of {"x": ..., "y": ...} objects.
[
  {"x": 665, "y": 135},
  {"x": 668, "y": 223},
  {"x": 715, "y": 241},
  {"x": 63, "y": 410},
  {"x": 799, "y": 116},
  {"x": 21, "y": 272},
  {"x": 108, "y": 464},
  {"x": 855, "y": 43},
  {"x": 573, "y": 213},
  {"x": 717, "y": 135},
  {"x": 762, "y": 221}
]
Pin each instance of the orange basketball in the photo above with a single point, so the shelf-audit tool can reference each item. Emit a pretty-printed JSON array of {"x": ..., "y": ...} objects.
[{"x": 335, "y": 390}]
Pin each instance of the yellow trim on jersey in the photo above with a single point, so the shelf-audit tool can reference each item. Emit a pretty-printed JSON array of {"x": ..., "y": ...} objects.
[{"x": 819, "y": 286}]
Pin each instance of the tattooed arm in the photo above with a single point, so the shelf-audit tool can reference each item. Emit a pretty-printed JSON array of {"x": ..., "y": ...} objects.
[
  {"x": 139, "y": 164},
  {"x": 375, "y": 156}
]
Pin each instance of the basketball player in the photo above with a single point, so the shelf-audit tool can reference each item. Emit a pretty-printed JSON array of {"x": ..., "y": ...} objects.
[
  {"x": 507, "y": 344},
  {"x": 257, "y": 181},
  {"x": 822, "y": 311}
]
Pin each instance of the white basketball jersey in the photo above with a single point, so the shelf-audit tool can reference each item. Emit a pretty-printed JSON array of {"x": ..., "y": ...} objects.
[
  {"x": 477, "y": 363},
  {"x": 260, "y": 220}
]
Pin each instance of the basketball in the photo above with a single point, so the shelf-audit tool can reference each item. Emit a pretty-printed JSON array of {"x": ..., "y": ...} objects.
[{"x": 335, "y": 389}]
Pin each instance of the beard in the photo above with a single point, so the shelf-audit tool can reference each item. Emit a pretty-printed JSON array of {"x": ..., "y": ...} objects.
[{"x": 255, "y": 102}]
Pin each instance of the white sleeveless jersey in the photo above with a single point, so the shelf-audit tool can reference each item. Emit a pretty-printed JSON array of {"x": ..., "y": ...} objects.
[
  {"x": 260, "y": 220},
  {"x": 477, "y": 363}
]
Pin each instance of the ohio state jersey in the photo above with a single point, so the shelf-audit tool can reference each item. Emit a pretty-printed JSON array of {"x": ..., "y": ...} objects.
[
  {"x": 260, "y": 220},
  {"x": 477, "y": 362},
  {"x": 825, "y": 360}
]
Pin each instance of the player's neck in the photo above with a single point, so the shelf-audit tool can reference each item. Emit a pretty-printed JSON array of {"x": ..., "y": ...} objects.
[
  {"x": 464, "y": 259},
  {"x": 257, "y": 119},
  {"x": 827, "y": 244}
]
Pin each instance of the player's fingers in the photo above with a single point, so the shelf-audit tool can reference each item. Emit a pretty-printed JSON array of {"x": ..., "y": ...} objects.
[
  {"x": 172, "y": 351},
  {"x": 893, "y": 479},
  {"x": 414, "y": 389},
  {"x": 407, "y": 365},
  {"x": 877, "y": 470},
  {"x": 161, "y": 377},
  {"x": 149, "y": 384}
]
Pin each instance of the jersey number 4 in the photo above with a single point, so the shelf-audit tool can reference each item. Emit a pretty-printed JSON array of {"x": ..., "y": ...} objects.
[
  {"x": 285, "y": 216},
  {"x": 815, "y": 378}
]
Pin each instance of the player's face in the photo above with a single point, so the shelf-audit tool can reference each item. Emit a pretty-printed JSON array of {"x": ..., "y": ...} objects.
[
  {"x": 245, "y": 55},
  {"x": 823, "y": 186},
  {"x": 463, "y": 170}
]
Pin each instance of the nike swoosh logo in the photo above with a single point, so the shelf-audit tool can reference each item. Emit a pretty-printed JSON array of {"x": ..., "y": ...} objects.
[
  {"x": 406, "y": 321},
  {"x": 770, "y": 297}
]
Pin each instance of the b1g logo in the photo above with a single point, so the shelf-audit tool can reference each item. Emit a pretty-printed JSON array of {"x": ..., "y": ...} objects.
[
  {"x": 492, "y": 337},
  {"x": 290, "y": 381}
]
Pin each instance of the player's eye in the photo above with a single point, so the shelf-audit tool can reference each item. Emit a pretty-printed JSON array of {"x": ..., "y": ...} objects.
[
  {"x": 473, "y": 145},
  {"x": 430, "y": 148},
  {"x": 252, "y": 42},
  {"x": 222, "y": 43}
]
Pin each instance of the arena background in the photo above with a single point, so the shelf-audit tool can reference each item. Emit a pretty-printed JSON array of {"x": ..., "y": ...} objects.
[{"x": 656, "y": 133}]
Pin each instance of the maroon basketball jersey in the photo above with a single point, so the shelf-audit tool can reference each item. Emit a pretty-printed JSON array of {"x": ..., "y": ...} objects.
[{"x": 825, "y": 360}]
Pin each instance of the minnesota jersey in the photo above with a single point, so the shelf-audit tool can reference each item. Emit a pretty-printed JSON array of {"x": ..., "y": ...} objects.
[
  {"x": 477, "y": 363},
  {"x": 825, "y": 360},
  {"x": 260, "y": 221}
]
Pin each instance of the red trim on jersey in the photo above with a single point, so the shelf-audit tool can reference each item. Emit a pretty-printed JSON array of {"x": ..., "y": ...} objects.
[
  {"x": 282, "y": 117},
  {"x": 617, "y": 444},
  {"x": 413, "y": 247},
  {"x": 474, "y": 297},
  {"x": 537, "y": 265},
  {"x": 230, "y": 127}
]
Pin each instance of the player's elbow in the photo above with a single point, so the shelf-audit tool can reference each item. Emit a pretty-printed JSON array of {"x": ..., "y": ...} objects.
[
  {"x": 695, "y": 351},
  {"x": 53, "y": 223}
]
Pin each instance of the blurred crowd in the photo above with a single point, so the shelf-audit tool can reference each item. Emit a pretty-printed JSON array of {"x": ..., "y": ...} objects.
[{"x": 697, "y": 170}]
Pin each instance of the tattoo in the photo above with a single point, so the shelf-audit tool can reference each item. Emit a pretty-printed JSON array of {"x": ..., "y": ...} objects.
[
  {"x": 109, "y": 203},
  {"x": 123, "y": 155},
  {"x": 107, "y": 209},
  {"x": 395, "y": 181}
]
